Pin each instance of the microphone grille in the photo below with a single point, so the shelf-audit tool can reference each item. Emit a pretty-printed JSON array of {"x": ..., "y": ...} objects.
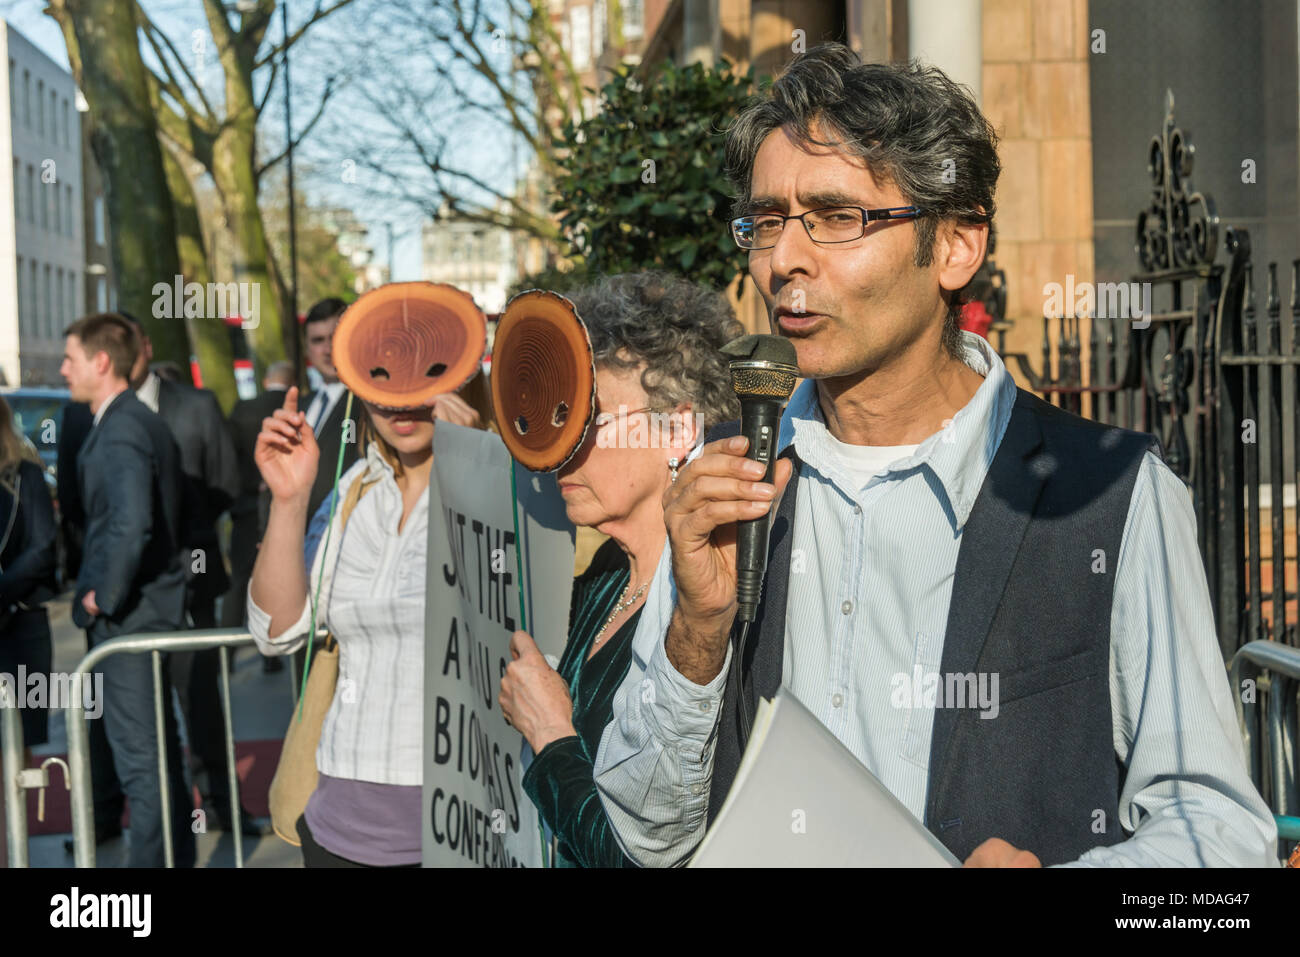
[{"x": 747, "y": 380}]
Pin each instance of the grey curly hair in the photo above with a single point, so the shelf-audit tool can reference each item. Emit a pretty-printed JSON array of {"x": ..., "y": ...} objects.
[{"x": 672, "y": 326}]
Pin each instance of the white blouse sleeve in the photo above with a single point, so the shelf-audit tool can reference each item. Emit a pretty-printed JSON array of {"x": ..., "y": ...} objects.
[{"x": 295, "y": 636}]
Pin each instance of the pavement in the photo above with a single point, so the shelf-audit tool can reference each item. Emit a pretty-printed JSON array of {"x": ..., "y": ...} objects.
[{"x": 261, "y": 704}]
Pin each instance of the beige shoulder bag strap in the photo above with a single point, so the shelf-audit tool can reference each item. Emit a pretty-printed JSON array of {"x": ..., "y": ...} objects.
[{"x": 296, "y": 773}]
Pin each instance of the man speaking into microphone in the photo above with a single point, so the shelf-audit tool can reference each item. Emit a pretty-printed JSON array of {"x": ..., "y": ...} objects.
[{"x": 929, "y": 519}]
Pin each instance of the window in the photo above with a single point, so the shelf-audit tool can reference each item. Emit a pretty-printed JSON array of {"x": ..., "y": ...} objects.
[
  {"x": 598, "y": 28},
  {"x": 633, "y": 19},
  {"x": 40, "y": 107},
  {"x": 22, "y": 297},
  {"x": 73, "y": 307},
  {"x": 45, "y": 205},
  {"x": 27, "y": 98},
  {"x": 100, "y": 238},
  {"x": 31, "y": 194},
  {"x": 67, "y": 210},
  {"x": 58, "y": 209},
  {"x": 580, "y": 34},
  {"x": 54, "y": 113},
  {"x": 36, "y": 296},
  {"x": 60, "y": 317},
  {"x": 67, "y": 125},
  {"x": 49, "y": 303},
  {"x": 18, "y": 189}
]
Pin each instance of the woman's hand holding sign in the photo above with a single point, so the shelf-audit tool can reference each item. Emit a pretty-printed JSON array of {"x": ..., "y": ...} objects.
[{"x": 534, "y": 698}]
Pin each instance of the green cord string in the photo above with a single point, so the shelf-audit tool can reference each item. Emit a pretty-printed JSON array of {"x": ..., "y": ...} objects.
[
  {"x": 519, "y": 552},
  {"x": 324, "y": 553}
]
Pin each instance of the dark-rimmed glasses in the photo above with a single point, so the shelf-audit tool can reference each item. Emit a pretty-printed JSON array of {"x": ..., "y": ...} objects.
[{"x": 830, "y": 224}]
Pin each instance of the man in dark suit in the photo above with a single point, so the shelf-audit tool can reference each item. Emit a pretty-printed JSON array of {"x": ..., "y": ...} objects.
[
  {"x": 211, "y": 473},
  {"x": 325, "y": 406},
  {"x": 77, "y": 420},
  {"x": 247, "y": 519},
  {"x": 131, "y": 577}
]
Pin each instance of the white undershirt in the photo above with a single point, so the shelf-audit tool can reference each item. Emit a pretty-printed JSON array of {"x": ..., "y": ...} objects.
[
  {"x": 864, "y": 461},
  {"x": 148, "y": 391}
]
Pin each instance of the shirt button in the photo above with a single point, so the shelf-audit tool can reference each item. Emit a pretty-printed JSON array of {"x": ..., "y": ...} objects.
[
  {"x": 837, "y": 699},
  {"x": 704, "y": 706},
  {"x": 695, "y": 789},
  {"x": 857, "y": 509},
  {"x": 846, "y": 607}
]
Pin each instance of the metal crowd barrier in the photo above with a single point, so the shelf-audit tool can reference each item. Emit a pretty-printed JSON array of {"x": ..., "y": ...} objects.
[
  {"x": 11, "y": 761},
  {"x": 83, "y": 819},
  {"x": 77, "y": 770},
  {"x": 1270, "y": 739}
]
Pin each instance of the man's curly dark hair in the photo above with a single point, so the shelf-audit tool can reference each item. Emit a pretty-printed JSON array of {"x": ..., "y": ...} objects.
[{"x": 911, "y": 123}]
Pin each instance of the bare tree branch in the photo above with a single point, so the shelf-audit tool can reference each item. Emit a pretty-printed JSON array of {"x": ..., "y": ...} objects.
[
  {"x": 153, "y": 35},
  {"x": 320, "y": 111},
  {"x": 317, "y": 15},
  {"x": 270, "y": 86}
]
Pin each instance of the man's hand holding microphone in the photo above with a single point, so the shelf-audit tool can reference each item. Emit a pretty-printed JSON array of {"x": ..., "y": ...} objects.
[
  {"x": 716, "y": 511},
  {"x": 718, "y": 489}
]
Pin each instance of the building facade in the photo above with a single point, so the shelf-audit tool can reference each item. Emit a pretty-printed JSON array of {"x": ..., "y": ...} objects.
[
  {"x": 42, "y": 256},
  {"x": 474, "y": 257}
]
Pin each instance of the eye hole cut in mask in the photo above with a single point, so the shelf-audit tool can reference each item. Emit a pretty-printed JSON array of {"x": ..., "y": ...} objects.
[
  {"x": 543, "y": 379},
  {"x": 403, "y": 343}
]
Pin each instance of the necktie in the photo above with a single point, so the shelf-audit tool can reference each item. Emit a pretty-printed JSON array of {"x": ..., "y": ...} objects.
[{"x": 317, "y": 410}]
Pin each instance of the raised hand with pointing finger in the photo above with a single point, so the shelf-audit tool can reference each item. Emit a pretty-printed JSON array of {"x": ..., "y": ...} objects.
[{"x": 286, "y": 452}]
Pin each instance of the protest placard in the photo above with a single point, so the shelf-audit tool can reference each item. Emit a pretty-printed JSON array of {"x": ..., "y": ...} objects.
[{"x": 475, "y": 811}]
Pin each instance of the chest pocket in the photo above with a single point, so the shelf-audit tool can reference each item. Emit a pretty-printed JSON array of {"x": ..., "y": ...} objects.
[{"x": 916, "y": 687}]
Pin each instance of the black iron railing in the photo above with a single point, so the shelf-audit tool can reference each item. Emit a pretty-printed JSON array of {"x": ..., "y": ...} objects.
[{"x": 1206, "y": 373}]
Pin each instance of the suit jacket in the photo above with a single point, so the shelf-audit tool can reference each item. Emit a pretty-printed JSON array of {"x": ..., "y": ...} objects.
[
  {"x": 132, "y": 492},
  {"x": 247, "y": 518},
  {"x": 207, "y": 459},
  {"x": 244, "y": 424},
  {"x": 328, "y": 438},
  {"x": 73, "y": 430}
]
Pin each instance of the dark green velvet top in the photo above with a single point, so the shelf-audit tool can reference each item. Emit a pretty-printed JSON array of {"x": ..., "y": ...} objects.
[{"x": 560, "y": 780}]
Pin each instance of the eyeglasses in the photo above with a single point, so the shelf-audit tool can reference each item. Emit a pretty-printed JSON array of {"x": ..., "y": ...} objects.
[
  {"x": 831, "y": 224},
  {"x": 604, "y": 419}
]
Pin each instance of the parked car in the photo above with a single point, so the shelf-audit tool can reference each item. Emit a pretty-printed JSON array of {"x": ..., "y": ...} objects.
[{"x": 38, "y": 413}]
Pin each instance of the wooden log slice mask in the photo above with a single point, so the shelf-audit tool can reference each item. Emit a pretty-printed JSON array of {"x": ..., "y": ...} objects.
[
  {"x": 401, "y": 344},
  {"x": 543, "y": 379}
]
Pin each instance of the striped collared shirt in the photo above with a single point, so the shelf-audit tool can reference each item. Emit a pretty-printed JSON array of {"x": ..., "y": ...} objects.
[{"x": 871, "y": 576}]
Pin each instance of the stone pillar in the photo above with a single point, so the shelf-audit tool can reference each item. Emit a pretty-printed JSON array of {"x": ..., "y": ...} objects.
[{"x": 947, "y": 35}]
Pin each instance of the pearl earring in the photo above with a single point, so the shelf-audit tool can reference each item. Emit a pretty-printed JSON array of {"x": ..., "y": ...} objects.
[{"x": 672, "y": 468}]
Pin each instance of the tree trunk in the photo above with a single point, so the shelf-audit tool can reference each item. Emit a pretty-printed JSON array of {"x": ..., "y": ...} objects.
[
  {"x": 235, "y": 176},
  {"x": 104, "y": 51},
  {"x": 209, "y": 336}
]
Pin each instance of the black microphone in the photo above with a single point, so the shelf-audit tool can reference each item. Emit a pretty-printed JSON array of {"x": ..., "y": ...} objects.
[{"x": 763, "y": 374}]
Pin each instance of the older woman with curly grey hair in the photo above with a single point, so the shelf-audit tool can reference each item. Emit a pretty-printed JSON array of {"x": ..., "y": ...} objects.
[{"x": 661, "y": 383}]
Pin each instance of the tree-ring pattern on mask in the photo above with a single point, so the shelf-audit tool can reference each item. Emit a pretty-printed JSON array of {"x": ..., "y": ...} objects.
[
  {"x": 543, "y": 379},
  {"x": 403, "y": 343}
]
